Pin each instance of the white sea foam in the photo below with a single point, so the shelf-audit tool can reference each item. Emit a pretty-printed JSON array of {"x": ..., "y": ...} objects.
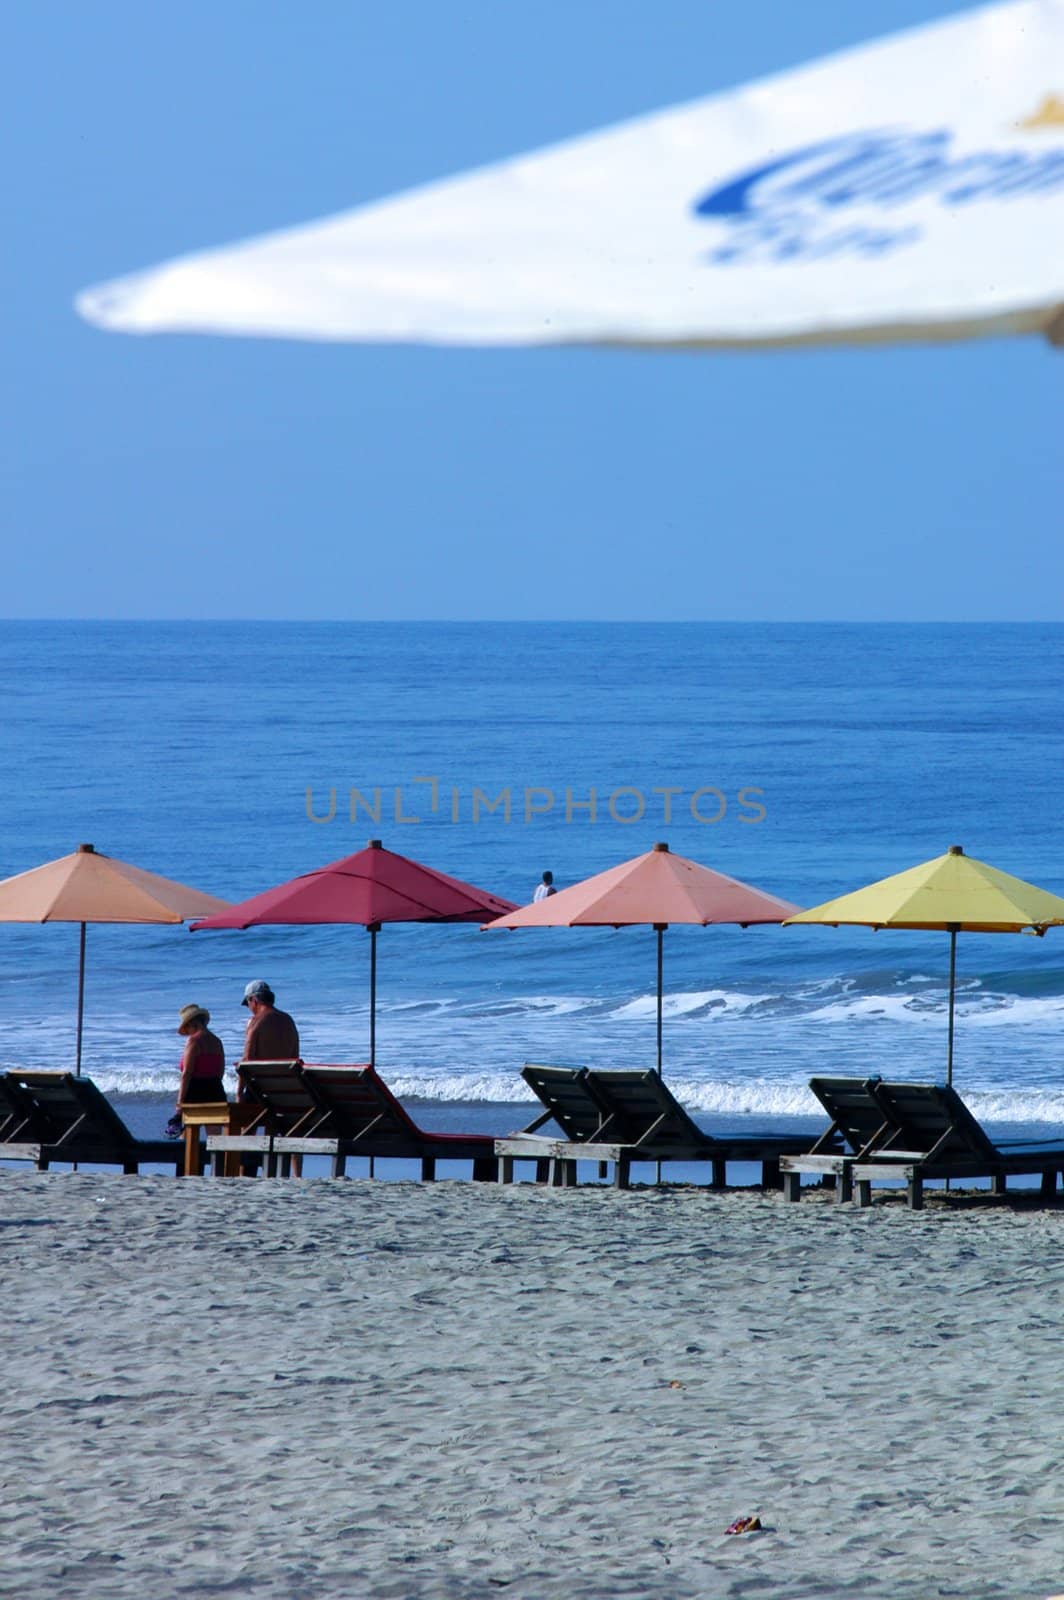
[
  {"x": 707, "y": 1003},
  {"x": 466, "y": 1047}
]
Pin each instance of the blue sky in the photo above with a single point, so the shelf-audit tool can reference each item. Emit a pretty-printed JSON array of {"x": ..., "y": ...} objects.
[{"x": 198, "y": 477}]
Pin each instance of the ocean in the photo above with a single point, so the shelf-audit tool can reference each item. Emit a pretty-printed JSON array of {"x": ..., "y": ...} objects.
[{"x": 805, "y": 759}]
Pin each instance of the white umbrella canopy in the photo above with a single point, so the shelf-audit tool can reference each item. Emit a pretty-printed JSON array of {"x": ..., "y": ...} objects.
[{"x": 909, "y": 189}]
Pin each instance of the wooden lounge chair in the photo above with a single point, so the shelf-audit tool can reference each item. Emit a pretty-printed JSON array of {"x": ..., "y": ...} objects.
[
  {"x": 76, "y": 1123},
  {"x": 239, "y": 1134},
  {"x": 22, "y": 1125},
  {"x": 659, "y": 1128},
  {"x": 370, "y": 1121},
  {"x": 576, "y": 1113},
  {"x": 857, "y": 1118},
  {"x": 938, "y": 1137},
  {"x": 641, "y": 1120},
  {"x": 344, "y": 1111},
  {"x": 570, "y": 1100}
]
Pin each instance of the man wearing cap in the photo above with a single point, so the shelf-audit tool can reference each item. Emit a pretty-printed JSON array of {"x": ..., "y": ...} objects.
[{"x": 271, "y": 1035}]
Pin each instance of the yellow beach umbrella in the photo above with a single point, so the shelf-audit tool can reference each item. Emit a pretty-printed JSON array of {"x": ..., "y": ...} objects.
[{"x": 953, "y": 893}]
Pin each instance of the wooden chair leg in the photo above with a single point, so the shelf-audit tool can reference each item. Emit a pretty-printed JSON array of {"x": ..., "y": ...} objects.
[
  {"x": 792, "y": 1185},
  {"x": 193, "y": 1165},
  {"x": 864, "y": 1192},
  {"x": 506, "y": 1169},
  {"x": 622, "y": 1173},
  {"x": 999, "y": 1183},
  {"x": 428, "y": 1169},
  {"x": 719, "y": 1174},
  {"x": 844, "y": 1187},
  {"x": 916, "y": 1193}
]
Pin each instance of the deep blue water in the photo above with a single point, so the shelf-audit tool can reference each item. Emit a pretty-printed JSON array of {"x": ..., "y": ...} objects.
[{"x": 189, "y": 749}]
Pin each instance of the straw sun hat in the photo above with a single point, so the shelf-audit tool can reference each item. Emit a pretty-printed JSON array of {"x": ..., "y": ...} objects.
[{"x": 191, "y": 1014}]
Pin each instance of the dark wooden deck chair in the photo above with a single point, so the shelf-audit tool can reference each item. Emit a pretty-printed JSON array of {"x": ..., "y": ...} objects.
[
  {"x": 647, "y": 1123},
  {"x": 366, "y": 1119},
  {"x": 570, "y": 1100},
  {"x": 280, "y": 1091},
  {"x": 938, "y": 1137},
  {"x": 662, "y": 1130},
  {"x": 274, "y": 1101},
  {"x": 577, "y": 1114},
  {"x": 79, "y": 1125},
  {"x": 22, "y": 1125},
  {"x": 856, "y": 1117}
]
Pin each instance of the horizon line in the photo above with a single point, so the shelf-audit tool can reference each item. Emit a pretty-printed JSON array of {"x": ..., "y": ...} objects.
[{"x": 537, "y": 622}]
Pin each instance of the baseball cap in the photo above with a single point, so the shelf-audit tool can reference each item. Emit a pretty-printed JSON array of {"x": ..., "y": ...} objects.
[{"x": 257, "y": 989}]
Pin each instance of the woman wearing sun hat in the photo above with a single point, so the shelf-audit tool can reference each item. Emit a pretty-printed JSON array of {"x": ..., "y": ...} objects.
[{"x": 202, "y": 1065}]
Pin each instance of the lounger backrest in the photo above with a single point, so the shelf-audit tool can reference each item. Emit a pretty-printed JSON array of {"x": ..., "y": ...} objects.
[
  {"x": 76, "y": 1107},
  {"x": 644, "y": 1108},
  {"x": 279, "y": 1086},
  {"x": 855, "y": 1112},
  {"x": 18, "y": 1115},
  {"x": 361, "y": 1103},
  {"x": 569, "y": 1097},
  {"x": 933, "y": 1117}
]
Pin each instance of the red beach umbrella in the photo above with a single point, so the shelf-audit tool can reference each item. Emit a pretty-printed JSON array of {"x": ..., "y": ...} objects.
[
  {"x": 367, "y": 889},
  {"x": 655, "y": 888},
  {"x": 89, "y": 887}
]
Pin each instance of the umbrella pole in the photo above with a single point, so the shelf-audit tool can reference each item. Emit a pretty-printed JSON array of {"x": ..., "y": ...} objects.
[
  {"x": 660, "y": 930},
  {"x": 81, "y": 1000},
  {"x": 373, "y": 927},
  {"x": 952, "y": 987}
]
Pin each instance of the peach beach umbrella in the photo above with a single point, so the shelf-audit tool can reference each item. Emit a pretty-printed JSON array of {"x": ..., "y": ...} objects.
[
  {"x": 953, "y": 893},
  {"x": 655, "y": 888},
  {"x": 90, "y": 887}
]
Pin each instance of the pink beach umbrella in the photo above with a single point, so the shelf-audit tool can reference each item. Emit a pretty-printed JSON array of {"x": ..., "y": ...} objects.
[
  {"x": 367, "y": 889},
  {"x": 655, "y": 888}
]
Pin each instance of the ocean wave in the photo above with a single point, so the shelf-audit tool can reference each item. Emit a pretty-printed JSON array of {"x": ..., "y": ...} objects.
[{"x": 698, "y": 1003}]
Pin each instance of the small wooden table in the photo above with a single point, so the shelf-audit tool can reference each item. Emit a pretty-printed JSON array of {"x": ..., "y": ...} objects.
[{"x": 194, "y": 1118}]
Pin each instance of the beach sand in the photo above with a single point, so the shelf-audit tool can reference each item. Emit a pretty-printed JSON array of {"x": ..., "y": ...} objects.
[{"x": 330, "y": 1388}]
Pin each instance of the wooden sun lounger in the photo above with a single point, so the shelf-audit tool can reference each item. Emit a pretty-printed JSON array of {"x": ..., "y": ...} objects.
[
  {"x": 570, "y": 1101},
  {"x": 274, "y": 1101},
  {"x": 340, "y": 1112},
  {"x": 942, "y": 1139},
  {"x": 22, "y": 1126},
  {"x": 577, "y": 1114},
  {"x": 76, "y": 1123},
  {"x": 661, "y": 1130},
  {"x": 856, "y": 1117},
  {"x": 372, "y": 1122},
  {"x": 640, "y": 1119}
]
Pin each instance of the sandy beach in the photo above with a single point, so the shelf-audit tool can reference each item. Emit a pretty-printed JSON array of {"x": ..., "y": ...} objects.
[{"x": 338, "y": 1388}]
